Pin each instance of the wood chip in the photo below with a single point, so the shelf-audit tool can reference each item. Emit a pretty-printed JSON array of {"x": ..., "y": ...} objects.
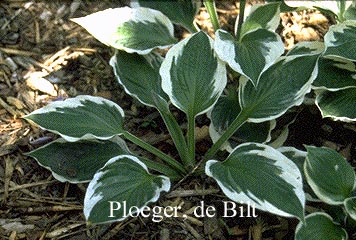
[
  {"x": 9, "y": 108},
  {"x": 15, "y": 102},
  {"x": 37, "y": 82}
]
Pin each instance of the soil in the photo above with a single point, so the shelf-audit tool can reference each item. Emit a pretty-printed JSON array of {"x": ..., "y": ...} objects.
[{"x": 45, "y": 57}]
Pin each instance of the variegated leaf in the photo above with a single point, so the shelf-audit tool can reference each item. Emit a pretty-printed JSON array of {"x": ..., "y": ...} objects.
[
  {"x": 335, "y": 74},
  {"x": 350, "y": 207},
  {"x": 82, "y": 117},
  {"x": 330, "y": 176},
  {"x": 264, "y": 16},
  {"x": 299, "y": 157},
  {"x": 307, "y": 48},
  {"x": 77, "y": 162},
  {"x": 256, "y": 51},
  {"x": 192, "y": 76},
  {"x": 139, "y": 75},
  {"x": 339, "y": 105},
  {"x": 178, "y": 11},
  {"x": 248, "y": 173},
  {"x": 319, "y": 226},
  {"x": 280, "y": 87},
  {"x": 136, "y": 30},
  {"x": 123, "y": 182},
  {"x": 340, "y": 40}
]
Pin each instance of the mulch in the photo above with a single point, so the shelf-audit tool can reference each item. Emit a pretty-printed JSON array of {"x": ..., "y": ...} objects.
[{"x": 45, "y": 57}]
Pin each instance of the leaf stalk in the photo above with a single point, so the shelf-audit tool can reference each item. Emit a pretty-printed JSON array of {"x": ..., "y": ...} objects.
[
  {"x": 241, "y": 18},
  {"x": 164, "y": 157},
  {"x": 210, "y": 7}
]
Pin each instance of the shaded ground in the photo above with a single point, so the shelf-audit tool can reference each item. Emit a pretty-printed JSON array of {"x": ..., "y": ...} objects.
[{"x": 45, "y": 57}]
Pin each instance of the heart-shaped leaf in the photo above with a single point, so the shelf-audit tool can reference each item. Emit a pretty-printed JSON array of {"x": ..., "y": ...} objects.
[
  {"x": 139, "y": 75},
  {"x": 224, "y": 113},
  {"x": 262, "y": 16},
  {"x": 319, "y": 226},
  {"x": 280, "y": 87},
  {"x": 123, "y": 182},
  {"x": 339, "y": 105},
  {"x": 335, "y": 74},
  {"x": 256, "y": 51},
  {"x": 340, "y": 40},
  {"x": 82, "y": 117},
  {"x": 248, "y": 174},
  {"x": 130, "y": 29},
  {"x": 178, "y": 11},
  {"x": 77, "y": 162},
  {"x": 192, "y": 76},
  {"x": 350, "y": 206},
  {"x": 330, "y": 176}
]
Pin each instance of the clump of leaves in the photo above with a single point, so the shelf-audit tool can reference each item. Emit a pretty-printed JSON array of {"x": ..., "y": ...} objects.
[{"x": 192, "y": 77}]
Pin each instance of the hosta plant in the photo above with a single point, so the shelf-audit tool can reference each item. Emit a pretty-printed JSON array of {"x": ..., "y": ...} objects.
[{"x": 192, "y": 76}]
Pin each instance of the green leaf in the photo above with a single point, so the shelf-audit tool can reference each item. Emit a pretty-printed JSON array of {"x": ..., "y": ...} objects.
[
  {"x": 139, "y": 75},
  {"x": 280, "y": 87},
  {"x": 340, "y": 40},
  {"x": 192, "y": 76},
  {"x": 339, "y": 105},
  {"x": 319, "y": 226},
  {"x": 330, "y": 176},
  {"x": 178, "y": 11},
  {"x": 77, "y": 162},
  {"x": 262, "y": 16},
  {"x": 262, "y": 176},
  {"x": 335, "y": 74},
  {"x": 256, "y": 51},
  {"x": 350, "y": 206},
  {"x": 224, "y": 113},
  {"x": 82, "y": 117},
  {"x": 123, "y": 180},
  {"x": 299, "y": 157},
  {"x": 136, "y": 30}
]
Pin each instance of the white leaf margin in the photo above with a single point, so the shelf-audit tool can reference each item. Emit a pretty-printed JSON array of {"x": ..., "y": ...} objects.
[
  {"x": 176, "y": 50},
  {"x": 90, "y": 199},
  {"x": 106, "y": 26},
  {"x": 74, "y": 103},
  {"x": 342, "y": 64},
  {"x": 282, "y": 162},
  {"x": 149, "y": 58},
  {"x": 298, "y": 98},
  {"x": 119, "y": 141},
  {"x": 300, "y": 224},
  {"x": 319, "y": 94},
  {"x": 227, "y": 46},
  {"x": 351, "y": 212},
  {"x": 317, "y": 190}
]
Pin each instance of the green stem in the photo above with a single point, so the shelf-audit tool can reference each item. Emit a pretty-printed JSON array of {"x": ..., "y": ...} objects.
[
  {"x": 236, "y": 124},
  {"x": 174, "y": 129},
  {"x": 165, "y": 170},
  {"x": 169, "y": 160},
  {"x": 210, "y": 7},
  {"x": 241, "y": 18},
  {"x": 192, "y": 28},
  {"x": 342, "y": 8},
  {"x": 177, "y": 135},
  {"x": 191, "y": 139}
]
